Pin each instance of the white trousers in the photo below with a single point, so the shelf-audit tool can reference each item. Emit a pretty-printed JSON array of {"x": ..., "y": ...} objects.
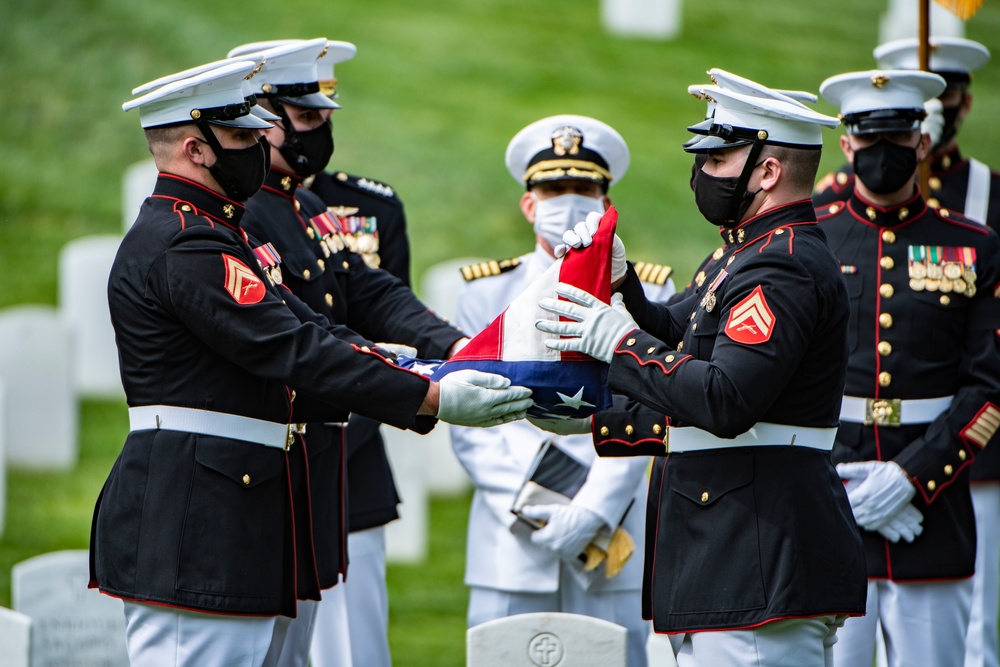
[
  {"x": 365, "y": 614},
  {"x": 295, "y": 649},
  {"x": 923, "y": 624},
  {"x": 797, "y": 642},
  {"x": 158, "y": 636},
  {"x": 621, "y": 607},
  {"x": 981, "y": 639}
]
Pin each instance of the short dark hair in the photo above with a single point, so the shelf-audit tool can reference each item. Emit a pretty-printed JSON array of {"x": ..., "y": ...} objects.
[
  {"x": 161, "y": 139},
  {"x": 800, "y": 165}
]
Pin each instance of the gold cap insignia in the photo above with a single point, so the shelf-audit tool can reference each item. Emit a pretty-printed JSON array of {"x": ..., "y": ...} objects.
[
  {"x": 567, "y": 141},
  {"x": 879, "y": 80},
  {"x": 286, "y": 182},
  {"x": 228, "y": 210}
]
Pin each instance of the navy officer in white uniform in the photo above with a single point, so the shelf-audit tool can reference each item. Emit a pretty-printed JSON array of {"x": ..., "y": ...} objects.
[{"x": 565, "y": 164}]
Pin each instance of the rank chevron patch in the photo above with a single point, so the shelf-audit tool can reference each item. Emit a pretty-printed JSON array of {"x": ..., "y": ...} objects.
[
  {"x": 751, "y": 320},
  {"x": 242, "y": 283}
]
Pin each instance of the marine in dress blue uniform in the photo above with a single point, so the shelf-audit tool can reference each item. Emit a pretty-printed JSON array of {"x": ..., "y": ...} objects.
[
  {"x": 220, "y": 367},
  {"x": 323, "y": 269},
  {"x": 751, "y": 531},
  {"x": 924, "y": 372},
  {"x": 565, "y": 165}
]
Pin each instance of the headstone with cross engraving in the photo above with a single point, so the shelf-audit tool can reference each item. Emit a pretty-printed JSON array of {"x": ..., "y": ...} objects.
[
  {"x": 15, "y": 633},
  {"x": 84, "y": 266},
  {"x": 70, "y": 624},
  {"x": 40, "y": 416},
  {"x": 546, "y": 639}
]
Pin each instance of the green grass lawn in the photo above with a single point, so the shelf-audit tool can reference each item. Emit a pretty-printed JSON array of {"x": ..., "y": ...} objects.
[{"x": 436, "y": 92}]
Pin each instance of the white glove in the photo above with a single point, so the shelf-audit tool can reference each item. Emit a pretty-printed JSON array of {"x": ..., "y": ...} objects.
[
  {"x": 907, "y": 524},
  {"x": 568, "y": 426},
  {"x": 399, "y": 349},
  {"x": 472, "y": 398},
  {"x": 882, "y": 489},
  {"x": 934, "y": 122},
  {"x": 597, "y": 327},
  {"x": 568, "y": 528},
  {"x": 582, "y": 235}
]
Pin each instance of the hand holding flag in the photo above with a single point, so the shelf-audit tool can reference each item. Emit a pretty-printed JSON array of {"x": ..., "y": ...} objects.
[
  {"x": 582, "y": 235},
  {"x": 595, "y": 328}
]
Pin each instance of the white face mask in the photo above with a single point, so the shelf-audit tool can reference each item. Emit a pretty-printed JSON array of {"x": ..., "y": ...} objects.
[{"x": 559, "y": 214}]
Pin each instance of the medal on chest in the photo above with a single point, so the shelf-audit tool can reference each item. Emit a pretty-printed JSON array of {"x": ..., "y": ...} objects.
[{"x": 708, "y": 301}]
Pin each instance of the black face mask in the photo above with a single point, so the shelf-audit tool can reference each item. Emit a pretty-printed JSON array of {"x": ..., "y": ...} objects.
[
  {"x": 308, "y": 152},
  {"x": 950, "y": 129},
  {"x": 240, "y": 171},
  {"x": 716, "y": 196},
  {"x": 885, "y": 167}
]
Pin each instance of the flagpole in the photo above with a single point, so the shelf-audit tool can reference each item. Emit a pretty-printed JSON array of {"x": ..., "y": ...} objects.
[{"x": 924, "y": 54}]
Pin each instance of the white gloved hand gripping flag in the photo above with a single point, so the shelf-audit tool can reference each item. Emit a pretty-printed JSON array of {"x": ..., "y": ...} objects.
[{"x": 564, "y": 385}]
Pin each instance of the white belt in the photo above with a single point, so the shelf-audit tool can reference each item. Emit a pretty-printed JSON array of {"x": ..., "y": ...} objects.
[
  {"x": 892, "y": 411},
  {"x": 761, "y": 434},
  {"x": 219, "y": 424}
]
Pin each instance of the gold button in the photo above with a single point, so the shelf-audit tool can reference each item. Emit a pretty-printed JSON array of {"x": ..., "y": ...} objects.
[
  {"x": 669, "y": 358},
  {"x": 834, "y": 208},
  {"x": 934, "y": 182},
  {"x": 889, "y": 236},
  {"x": 886, "y": 290},
  {"x": 887, "y": 263},
  {"x": 680, "y": 346},
  {"x": 704, "y": 496},
  {"x": 629, "y": 430},
  {"x": 871, "y": 213},
  {"x": 365, "y": 348},
  {"x": 885, "y": 348},
  {"x": 946, "y": 162},
  {"x": 297, "y": 206},
  {"x": 731, "y": 239},
  {"x": 306, "y": 273},
  {"x": 605, "y": 431},
  {"x": 731, "y": 260},
  {"x": 329, "y": 299},
  {"x": 246, "y": 480},
  {"x": 948, "y": 470},
  {"x": 185, "y": 208},
  {"x": 630, "y": 342},
  {"x": 657, "y": 429},
  {"x": 651, "y": 350},
  {"x": 933, "y": 203},
  {"x": 884, "y": 379},
  {"x": 841, "y": 178},
  {"x": 885, "y": 320},
  {"x": 341, "y": 176},
  {"x": 944, "y": 212},
  {"x": 310, "y": 233},
  {"x": 321, "y": 264},
  {"x": 346, "y": 264},
  {"x": 961, "y": 454},
  {"x": 931, "y": 485},
  {"x": 945, "y": 299},
  {"x": 904, "y": 213},
  {"x": 694, "y": 327},
  {"x": 779, "y": 231}
]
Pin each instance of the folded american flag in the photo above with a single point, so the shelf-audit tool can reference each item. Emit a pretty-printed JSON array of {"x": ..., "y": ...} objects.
[{"x": 564, "y": 385}]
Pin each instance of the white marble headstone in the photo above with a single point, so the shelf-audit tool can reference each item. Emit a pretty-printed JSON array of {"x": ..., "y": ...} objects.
[
  {"x": 406, "y": 538},
  {"x": 3, "y": 459},
  {"x": 137, "y": 184},
  {"x": 651, "y": 19},
  {"x": 70, "y": 624},
  {"x": 547, "y": 639},
  {"x": 439, "y": 289},
  {"x": 41, "y": 416},
  {"x": 84, "y": 265},
  {"x": 15, "y": 638}
]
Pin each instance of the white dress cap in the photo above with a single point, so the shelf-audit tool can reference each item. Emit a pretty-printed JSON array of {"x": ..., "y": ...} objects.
[
  {"x": 256, "y": 109},
  {"x": 217, "y": 95},
  {"x": 882, "y": 100},
  {"x": 741, "y": 119},
  {"x": 288, "y": 71},
  {"x": 336, "y": 52},
  {"x": 953, "y": 57},
  {"x": 567, "y": 147},
  {"x": 738, "y": 84}
]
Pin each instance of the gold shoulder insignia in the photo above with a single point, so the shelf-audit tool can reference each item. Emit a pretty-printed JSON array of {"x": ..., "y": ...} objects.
[
  {"x": 487, "y": 269},
  {"x": 653, "y": 273}
]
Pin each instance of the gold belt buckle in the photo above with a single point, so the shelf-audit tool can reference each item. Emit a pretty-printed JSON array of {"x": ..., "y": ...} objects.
[
  {"x": 882, "y": 411},
  {"x": 292, "y": 429}
]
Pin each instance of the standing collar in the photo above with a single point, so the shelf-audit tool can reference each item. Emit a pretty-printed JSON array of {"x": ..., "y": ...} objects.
[
  {"x": 205, "y": 201},
  {"x": 886, "y": 216},
  {"x": 282, "y": 182},
  {"x": 944, "y": 163},
  {"x": 763, "y": 223}
]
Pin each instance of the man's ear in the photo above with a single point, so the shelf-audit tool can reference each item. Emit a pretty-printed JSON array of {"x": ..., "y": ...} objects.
[
  {"x": 923, "y": 146},
  {"x": 606, "y": 200},
  {"x": 528, "y": 202},
  {"x": 196, "y": 151},
  {"x": 772, "y": 173},
  {"x": 845, "y": 147}
]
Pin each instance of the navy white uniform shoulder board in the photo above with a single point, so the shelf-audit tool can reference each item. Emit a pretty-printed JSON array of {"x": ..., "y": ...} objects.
[
  {"x": 366, "y": 184},
  {"x": 656, "y": 274},
  {"x": 490, "y": 268}
]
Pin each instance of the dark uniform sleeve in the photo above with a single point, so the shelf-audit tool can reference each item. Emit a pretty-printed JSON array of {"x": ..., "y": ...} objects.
[
  {"x": 729, "y": 392},
  {"x": 971, "y": 422},
  {"x": 628, "y": 428},
  {"x": 268, "y": 339}
]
